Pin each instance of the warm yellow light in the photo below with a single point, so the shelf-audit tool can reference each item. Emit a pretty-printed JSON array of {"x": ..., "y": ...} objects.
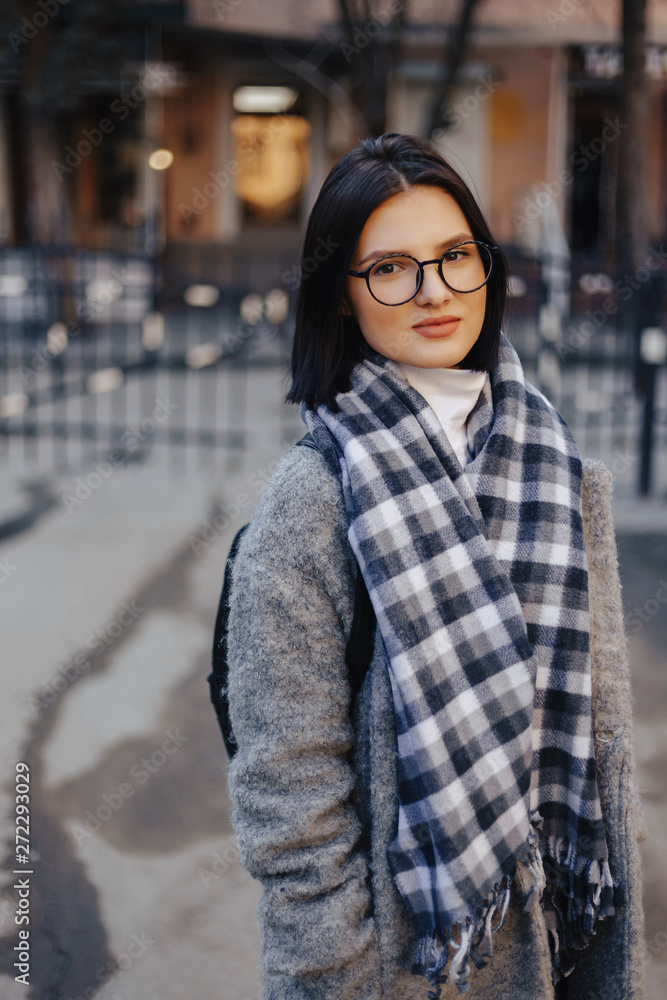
[
  {"x": 56, "y": 338},
  {"x": 202, "y": 296},
  {"x": 278, "y": 164},
  {"x": 152, "y": 331},
  {"x": 267, "y": 100},
  {"x": 104, "y": 380},
  {"x": 13, "y": 404},
  {"x": 252, "y": 309},
  {"x": 160, "y": 159},
  {"x": 276, "y": 305},
  {"x": 202, "y": 355}
]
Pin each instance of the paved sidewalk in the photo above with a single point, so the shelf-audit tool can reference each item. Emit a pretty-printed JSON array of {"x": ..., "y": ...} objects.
[
  {"x": 643, "y": 565},
  {"x": 107, "y": 617},
  {"x": 137, "y": 892}
]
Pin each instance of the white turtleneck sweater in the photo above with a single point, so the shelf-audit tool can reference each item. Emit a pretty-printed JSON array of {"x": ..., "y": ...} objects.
[{"x": 451, "y": 393}]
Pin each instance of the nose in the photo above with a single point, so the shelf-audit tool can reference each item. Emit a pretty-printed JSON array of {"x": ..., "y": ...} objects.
[{"x": 433, "y": 290}]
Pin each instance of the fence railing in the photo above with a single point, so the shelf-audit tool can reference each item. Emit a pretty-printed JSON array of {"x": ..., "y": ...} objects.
[
  {"x": 90, "y": 370},
  {"x": 586, "y": 363}
]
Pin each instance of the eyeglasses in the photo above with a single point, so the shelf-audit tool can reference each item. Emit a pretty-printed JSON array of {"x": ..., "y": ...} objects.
[{"x": 395, "y": 279}]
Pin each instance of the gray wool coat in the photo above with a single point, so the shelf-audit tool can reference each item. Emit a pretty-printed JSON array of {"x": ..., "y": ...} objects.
[{"x": 313, "y": 784}]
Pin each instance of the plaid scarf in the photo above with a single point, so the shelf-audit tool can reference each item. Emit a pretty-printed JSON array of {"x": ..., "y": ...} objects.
[{"x": 478, "y": 577}]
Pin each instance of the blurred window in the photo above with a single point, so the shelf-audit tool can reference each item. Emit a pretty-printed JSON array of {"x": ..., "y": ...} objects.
[
  {"x": 272, "y": 152},
  {"x": 593, "y": 162}
]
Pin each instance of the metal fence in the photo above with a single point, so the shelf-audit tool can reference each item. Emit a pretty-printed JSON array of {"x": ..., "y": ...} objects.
[
  {"x": 92, "y": 370},
  {"x": 585, "y": 363}
]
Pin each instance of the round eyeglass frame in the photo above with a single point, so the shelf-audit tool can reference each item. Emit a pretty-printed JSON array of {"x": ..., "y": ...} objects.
[{"x": 421, "y": 264}]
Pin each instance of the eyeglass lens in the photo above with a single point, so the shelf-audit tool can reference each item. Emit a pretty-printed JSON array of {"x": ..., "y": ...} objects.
[{"x": 396, "y": 279}]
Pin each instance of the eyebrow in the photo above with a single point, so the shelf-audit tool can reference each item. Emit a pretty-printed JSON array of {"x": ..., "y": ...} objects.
[{"x": 459, "y": 238}]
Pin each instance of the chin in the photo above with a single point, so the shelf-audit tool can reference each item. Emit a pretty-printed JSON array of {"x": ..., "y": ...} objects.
[{"x": 433, "y": 358}]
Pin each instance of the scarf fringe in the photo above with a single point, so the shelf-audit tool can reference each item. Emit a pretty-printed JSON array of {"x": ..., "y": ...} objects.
[
  {"x": 580, "y": 893},
  {"x": 475, "y": 945},
  {"x": 576, "y": 893}
]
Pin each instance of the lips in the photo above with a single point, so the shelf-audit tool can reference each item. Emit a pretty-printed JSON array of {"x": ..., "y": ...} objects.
[{"x": 438, "y": 326}]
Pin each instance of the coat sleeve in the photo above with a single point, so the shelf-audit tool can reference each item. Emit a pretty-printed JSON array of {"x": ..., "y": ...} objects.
[
  {"x": 291, "y": 783},
  {"x": 613, "y": 965}
]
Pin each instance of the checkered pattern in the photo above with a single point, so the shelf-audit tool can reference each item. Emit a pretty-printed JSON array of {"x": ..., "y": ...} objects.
[{"x": 478, "y": 578}]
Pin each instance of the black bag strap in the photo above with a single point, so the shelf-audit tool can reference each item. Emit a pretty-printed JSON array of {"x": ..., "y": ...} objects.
[
  {"x": 219, "y": 675},
  {"x": 308, "y": 441},
  {"x": 358, "y": 652}
]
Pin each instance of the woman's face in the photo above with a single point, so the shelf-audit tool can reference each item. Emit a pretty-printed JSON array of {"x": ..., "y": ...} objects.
[{"x": 420, "y": 222}]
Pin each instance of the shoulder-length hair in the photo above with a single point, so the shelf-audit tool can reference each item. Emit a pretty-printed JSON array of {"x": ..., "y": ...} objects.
[{"x": 328, "y": 344}]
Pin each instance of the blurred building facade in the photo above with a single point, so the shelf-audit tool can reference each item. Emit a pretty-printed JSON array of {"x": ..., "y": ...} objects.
[{"x": 230, "y": 113}]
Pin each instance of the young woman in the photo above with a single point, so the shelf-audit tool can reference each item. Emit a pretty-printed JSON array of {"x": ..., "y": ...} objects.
[{"x": 467, "y": 821}]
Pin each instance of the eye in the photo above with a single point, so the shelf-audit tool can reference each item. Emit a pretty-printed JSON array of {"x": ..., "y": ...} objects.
[
  {"x": 388, "y": 268},
  {"x": 456, "y": 255}
]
